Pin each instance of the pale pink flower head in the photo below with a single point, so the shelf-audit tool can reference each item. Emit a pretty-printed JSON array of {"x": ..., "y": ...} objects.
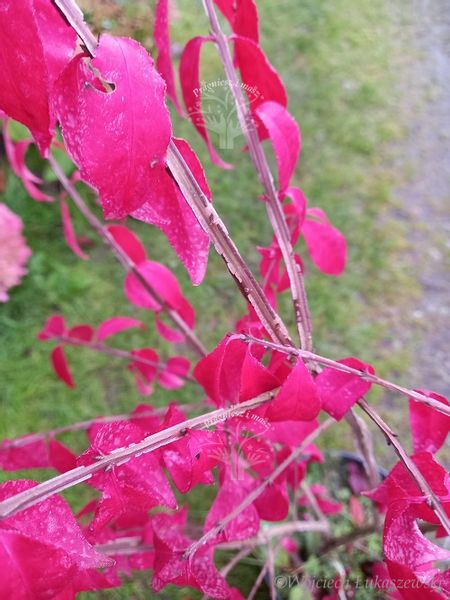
[{"x": 14, "y": 252}]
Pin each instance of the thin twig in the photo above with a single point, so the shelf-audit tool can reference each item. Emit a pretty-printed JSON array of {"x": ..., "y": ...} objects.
[
  {"x": 333, "y": 364},
  {"x": 274, "y": 208},
  {"x": 120, "y": 456},
  {"x": 74, "y": 16},
  {"x": 123, "y": 257},
  {"x": 251, "y": 497},
  {"x": 119, "y": 353},
  {"x": 84, "y": 425},
  {"x": 258, "y": 581},
  {"x": 432, "y": 500}
]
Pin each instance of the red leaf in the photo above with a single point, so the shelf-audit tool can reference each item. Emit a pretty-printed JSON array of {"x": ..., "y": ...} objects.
[
  {"x": 16, "y": 157},
  {"x": 54, "y": 327},
  {"x": 69, "y": 234},
  {"x": 60, "y": 366},
  {"x": 118, "y": 138},
  {"x": 129, "y": 242},
  {"x": 144, "y": 374},
  {"x": 176, "y": 370},
  {"x": 115, "y": 325},
  {"x": 298, "y": 398},
  {"x": 61, "y": 458},
  {"x": 169, "y": 567},
  {"x": 83, "y": 332},
  {"x": 326, "y": 244},
  {"x": 18, "y": 454},
  {"x": 261, "y": 81},
  {"x": 230, "y": 495},
  {"x": 284, "y": 134},
  {"x": 295, "y": 211},
  {"x": 230, "y": 374},
  {"x": 137, "y": 485},
  {"x": 192, "y": 93},
  {"x": 273, "y": 503},
  {"x": 242, "y": 17},
  {"x": 161, "y": 36},
  {"x": 339, "y": 391},
  {"x": 176, "y": 219},
  {"x": 165, "y": 284},
  {"x": 37, "y": 43},
  {"x": 429, "y": 428},
  {"x": 326, "y": 504}
]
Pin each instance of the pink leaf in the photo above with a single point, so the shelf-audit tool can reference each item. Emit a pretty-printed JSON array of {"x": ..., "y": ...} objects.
[
  {"x": 60, "y": 366},
  {"x": 284, "y": 134},
  {"x": 192, "y": 93},
  {"x": 166, "y": 286},
  {"x": 83, "y": 332},
  {"x": 137, "y": 485},
  {"x": 37, "y": 43},
  {"x": 118, "y": 138},
  {"x": 115, "y": 325},
  {"x": 326, "y": 244},
  {"x": 16, "y": 157},
  {"x": 54, "y": 328},
  {"x": 61, "y": 458},
  {"x": 298, "y": 398},
  {"x": 176, "y": 219},
  {"x": 20, "y": 454},
  {"x": 176, "y": 370},
  {"x": 161, "y": 35},
  {"x": 230, "y": 494},
  {"x": 242, "y": 17},
  {"x": 429, "y": 428},
  {"x": 129, "y": 242},
  {"x": 339, "y": 391},
  {"x": 145, "y": 374},
  {"x": 261, "y": 81},
  {"x": 69, "y": 233}
]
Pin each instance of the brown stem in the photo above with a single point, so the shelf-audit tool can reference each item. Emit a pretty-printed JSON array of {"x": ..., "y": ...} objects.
[
  {"x": 274, "y": 208},
  {"x": 433, "y": 501},
  {"x": 224, "y": 245},
  {"x": 83, "y": 425},
  {"x": 251, "y": 497},
  {"x": 120, "y": 456},
  {"x": 123, "y": 257},
  {"x": 333, "y": 364}
]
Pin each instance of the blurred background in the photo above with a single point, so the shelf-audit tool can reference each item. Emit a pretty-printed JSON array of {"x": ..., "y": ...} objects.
[{"x": 369, "y": 84}]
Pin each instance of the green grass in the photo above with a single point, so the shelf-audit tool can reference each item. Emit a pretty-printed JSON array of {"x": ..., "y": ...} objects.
[{"x": 338, "y": 62}]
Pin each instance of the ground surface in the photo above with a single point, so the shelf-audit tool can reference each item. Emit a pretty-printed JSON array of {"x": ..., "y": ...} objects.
[{"x": 425, "y": 197}]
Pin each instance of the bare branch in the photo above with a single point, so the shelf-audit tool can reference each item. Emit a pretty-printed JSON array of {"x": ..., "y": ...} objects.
[{"x": 274, "y": 209}]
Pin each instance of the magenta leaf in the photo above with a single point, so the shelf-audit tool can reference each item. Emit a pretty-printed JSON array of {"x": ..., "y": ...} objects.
[
  {"x": 339, "y": 391},
  {"x": 169, "y": 567},
  {"x": 14, "y": 251},
  {"x": 115, "y": 325},
  {"x": 69, "y": 233},
  {"x": 61, "y": 367},
  {"x": 137, "y": 485},
  {"x": 429, "y": 428},
  {"x": 326, "y": 504},
  {"x": 144, "y": 374},
  {"x": 177, "y": 368},
  {"x": 116, "y": 128},
  {"x": 37, "y": 43},
  {"x": 166, "y": 286},
  {"x": 298, "y": 398},
  {"x": 326, "y": 244},
  {"x": 82, "y": 332},
  {"x": 284, "y": 134},
  {"x": 161, "y": 36},
  {"x": 192, "y": 93},
  {"x": 169, "y": 211},
  {"x": 42, "y": 546},
  {"x": 53, "y": 328},
  {"x": 261, "y": 81},
  {"x": 129, "y": 242},
  {"x": 242, "y": 16},
  {"x": 230, "y": 495},
  {"x": 16, "y": 157}
]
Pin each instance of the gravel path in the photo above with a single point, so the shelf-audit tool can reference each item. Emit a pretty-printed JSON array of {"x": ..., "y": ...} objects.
[{"x": 425, "y": 199}]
